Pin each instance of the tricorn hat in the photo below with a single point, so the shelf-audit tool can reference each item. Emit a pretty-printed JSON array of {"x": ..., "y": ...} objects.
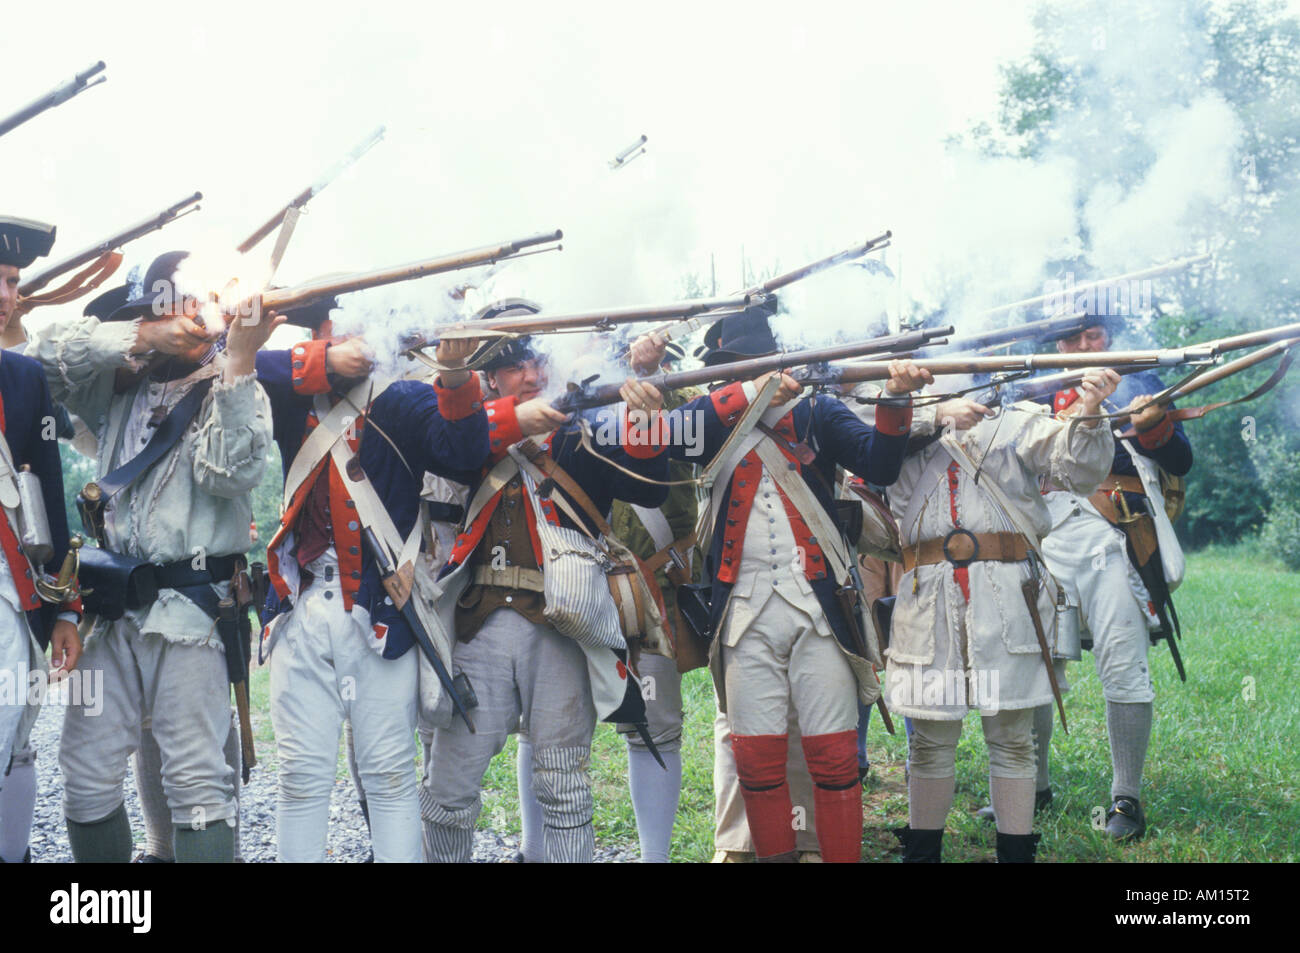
[
  {"x": 312, "y": 316},
  {"x": 22, "y": 241},
  {"x": 108, "y": 302},
  {"x": 518, "y": 350},
  {"x": 156, "y": 293},
  {"x": 740, "y": 336}
]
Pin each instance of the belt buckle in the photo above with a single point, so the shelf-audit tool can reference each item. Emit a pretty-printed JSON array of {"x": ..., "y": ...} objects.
[{"x": 975, "y": 548}]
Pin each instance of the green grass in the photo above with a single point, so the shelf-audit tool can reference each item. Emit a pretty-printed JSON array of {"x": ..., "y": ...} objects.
[{"x": 1222, "y": 771}]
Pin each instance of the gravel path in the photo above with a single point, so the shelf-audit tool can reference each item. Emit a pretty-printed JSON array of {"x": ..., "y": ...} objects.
[{"x": 348, "y": 840}]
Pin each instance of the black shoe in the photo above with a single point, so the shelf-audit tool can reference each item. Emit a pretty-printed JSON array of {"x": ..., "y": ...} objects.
[
  {"x": 920, "y": 847},
  {"x": 1017, "y": 848},
  {"x": 152, "y": 859},
  {"x": 1041, "y": 800},
  {"x": 1125, "y": 820}
]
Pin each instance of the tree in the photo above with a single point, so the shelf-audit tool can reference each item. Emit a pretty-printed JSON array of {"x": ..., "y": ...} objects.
[{"x": 1098, "y": 76}]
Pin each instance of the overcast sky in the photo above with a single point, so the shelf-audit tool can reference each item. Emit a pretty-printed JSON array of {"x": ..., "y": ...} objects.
[{"x": 791, "y": 129}]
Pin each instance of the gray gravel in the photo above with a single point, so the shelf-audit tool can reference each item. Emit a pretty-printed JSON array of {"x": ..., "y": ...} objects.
[{"x": 348, "y": 840}]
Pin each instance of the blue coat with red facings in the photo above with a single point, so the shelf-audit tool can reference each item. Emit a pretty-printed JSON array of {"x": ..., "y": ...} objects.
[
  {"x": 601, "y": 482},
  {"x": 837, "y": 437},
  {"x": 26, "y": 414},
  {"x": 437, "y": 430},
  {"x": 1166, "y": 444}
]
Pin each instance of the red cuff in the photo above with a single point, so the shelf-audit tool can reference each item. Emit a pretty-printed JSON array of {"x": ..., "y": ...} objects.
[
  {"x": 730, "y": 402},
  {"x": 645, "y": 442},
  {"x": 894, "y": 421},
  {"x": 73, "y": 606},
  {"x": 457, "y": 403},
  {"x": 503, "y": 426},
  {"x": 309, "y": 373},
  {"x": 1158, "y": 435}
]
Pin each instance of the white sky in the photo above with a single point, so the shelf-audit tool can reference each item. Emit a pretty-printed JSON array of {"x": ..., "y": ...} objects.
[{"x": 791, "y": 129}]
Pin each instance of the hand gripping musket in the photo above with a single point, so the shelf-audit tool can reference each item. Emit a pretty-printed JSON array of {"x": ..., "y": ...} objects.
[
  {"x": 101, "y": 257},
  {"x": 458, "y": 689},
  {"x": 299, "y": 201},
  {"x": 691, "y": 323},
  {"x": 582, "y": 396},
  {"x": 56, "y": 97}
]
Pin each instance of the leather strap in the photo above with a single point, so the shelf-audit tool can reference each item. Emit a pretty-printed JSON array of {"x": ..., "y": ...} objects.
[
  {"x": 544, "y": 462},
  {"x": 512, "y": 577},
  {"x": 988, "y": 547},
  {"x": 167, "y": 435},
  {"x": 1103, "y": 499},
  {"x": 683, "y": 548}
]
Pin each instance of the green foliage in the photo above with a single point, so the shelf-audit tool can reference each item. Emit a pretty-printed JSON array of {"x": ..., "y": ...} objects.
[
  {"x": 1247, "y": 52},
  {"x": 1280, "y": 472}
]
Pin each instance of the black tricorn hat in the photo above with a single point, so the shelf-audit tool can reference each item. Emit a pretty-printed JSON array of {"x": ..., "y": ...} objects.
[
  {"x": 740, "y": 336},
  {"x": 518, "y": 350},
  {"x": 156, "y": 293},
  {"x": 108, "y": 302},
  {"x": 22, "y": 240},
  {"x": 1114, "y": 325},
  {"x": 312, "y": 316}
]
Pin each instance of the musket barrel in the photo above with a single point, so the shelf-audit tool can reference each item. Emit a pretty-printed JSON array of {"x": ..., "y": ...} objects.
[
  {"x": 151, "y": 224},
  {"x": 284, "y": 299},
  {"x": 1019, "y": 332},
  {"x": 1073, "y": 290},
  {"x": 1252, "y": 338},
  {"x": 608, "y": 317},
  {"x": 821, "y": 264},
  {"x": 59, "y": 95},
  {"x": 273, "y": 222},
  {"x": 746, "y": 370},
  {"x": 879, "y": 370}
]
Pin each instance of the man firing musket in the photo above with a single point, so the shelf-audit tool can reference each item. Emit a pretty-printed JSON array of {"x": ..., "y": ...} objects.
[
  {"x": 181, "y": 447},
  {"x": 347, "y": 606},
  {"x": 788, "y": 634}
]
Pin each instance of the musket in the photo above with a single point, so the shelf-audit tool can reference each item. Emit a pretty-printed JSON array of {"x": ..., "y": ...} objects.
[
  {"x": 678, "y": 328},
  {"x": 582, "y": 396},
  {"x": 151, "y": 224},
  {"x": 1073, "y": 290},
  {"x": 285, "y": 299},
  {"x": 300, "y": 200},
  {"x": 56, "y": 97},
  {"x": 602, "y": 320},
  {"x": 1204, "y": 379},
  {"x": 1238, "y": 342},
  {"x": 387, "y": 574},
  {"x": 1004, "y": 336}
]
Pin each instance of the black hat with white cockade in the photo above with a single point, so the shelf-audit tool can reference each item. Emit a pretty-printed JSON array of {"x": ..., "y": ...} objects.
[{"x": 156, "y": 294}]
